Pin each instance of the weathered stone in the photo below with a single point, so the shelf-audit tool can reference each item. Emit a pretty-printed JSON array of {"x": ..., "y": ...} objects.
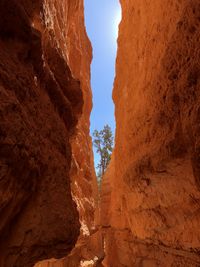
[
  {"x": 154, "y": 202},
  {"x": 45, "y": 102}
]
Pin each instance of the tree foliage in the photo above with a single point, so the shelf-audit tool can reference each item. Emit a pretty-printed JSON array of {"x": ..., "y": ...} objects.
[{"x": 103, "y": 142}]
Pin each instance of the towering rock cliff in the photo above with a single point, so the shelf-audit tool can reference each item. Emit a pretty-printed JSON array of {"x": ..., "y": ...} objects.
[
  {"x": 154, "y": 205},
  {"x": 150, "y": 199},
  {"x": 46, "y": 163}
]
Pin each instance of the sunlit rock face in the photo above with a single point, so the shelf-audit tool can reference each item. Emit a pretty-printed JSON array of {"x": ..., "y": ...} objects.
[
  {"x": 46, "y": 163},
  {"x": 155, "y": 197}
]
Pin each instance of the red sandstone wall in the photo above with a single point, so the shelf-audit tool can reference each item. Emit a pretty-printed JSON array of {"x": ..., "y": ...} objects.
[
  {"x": 45, "y": 148},
  {"x": 155, "y": 180}
]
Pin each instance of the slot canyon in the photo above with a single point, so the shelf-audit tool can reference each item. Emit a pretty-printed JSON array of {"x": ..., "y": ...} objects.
[{"x": 147, "y": 213}]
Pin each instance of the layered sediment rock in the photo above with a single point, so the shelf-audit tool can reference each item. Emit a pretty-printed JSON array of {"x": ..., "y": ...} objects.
[
  {"x": 155, "y": 199},
  {"x": 45, "y": 102}
]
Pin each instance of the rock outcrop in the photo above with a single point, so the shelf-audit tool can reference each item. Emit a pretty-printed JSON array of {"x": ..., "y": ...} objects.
[
  {"x": 154, "y": 200},
  {"x": 46, "y": 163}
]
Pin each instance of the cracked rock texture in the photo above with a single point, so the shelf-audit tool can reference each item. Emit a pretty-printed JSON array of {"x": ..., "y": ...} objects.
[
  {"x": 151, "y": 195},
  {"x": 45, "y": 103}
]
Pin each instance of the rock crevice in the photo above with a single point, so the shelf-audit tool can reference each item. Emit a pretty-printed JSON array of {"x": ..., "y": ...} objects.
[{"x": 149, "y": 210}]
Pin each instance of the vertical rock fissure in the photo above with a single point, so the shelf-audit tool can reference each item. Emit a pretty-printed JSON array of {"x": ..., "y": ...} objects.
[
  {"x": 148, "y": 212},
  {"x": 102, "y": 21}
]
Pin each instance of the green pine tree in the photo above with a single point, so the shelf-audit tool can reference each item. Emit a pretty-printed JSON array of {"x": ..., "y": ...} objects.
[{"x": 103, "y": 142}]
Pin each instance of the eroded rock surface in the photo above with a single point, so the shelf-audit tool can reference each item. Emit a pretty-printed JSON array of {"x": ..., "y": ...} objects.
[
  {"x": 155, "y": 199},
  {"x": 45, "y": 102}
]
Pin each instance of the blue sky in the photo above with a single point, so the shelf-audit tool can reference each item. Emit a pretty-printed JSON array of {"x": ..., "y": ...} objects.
[{"x": 102, "y": 18}]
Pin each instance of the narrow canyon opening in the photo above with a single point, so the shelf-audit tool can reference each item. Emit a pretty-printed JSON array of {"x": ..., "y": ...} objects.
[
  {"x": 148, "y": 211},
  {"x": 102, "y": 19}
]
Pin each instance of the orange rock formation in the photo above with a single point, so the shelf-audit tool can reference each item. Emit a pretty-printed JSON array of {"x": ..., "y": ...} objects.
[
  {"x": 150, "y": 197},
  {"x": 155, "y": 199},
  {"x": 45, "y": 103}
]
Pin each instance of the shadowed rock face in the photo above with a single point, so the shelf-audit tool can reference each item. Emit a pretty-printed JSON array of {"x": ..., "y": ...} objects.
[
  {"x": 150, "y": 193},
  {"x": 154, "y": 202},
  {"x": 43, "y": 100}
]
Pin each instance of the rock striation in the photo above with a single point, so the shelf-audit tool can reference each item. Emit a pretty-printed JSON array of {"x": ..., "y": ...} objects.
[
  {"x": 152, "y": 194},
  {"x": 46, "y": 163}
]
